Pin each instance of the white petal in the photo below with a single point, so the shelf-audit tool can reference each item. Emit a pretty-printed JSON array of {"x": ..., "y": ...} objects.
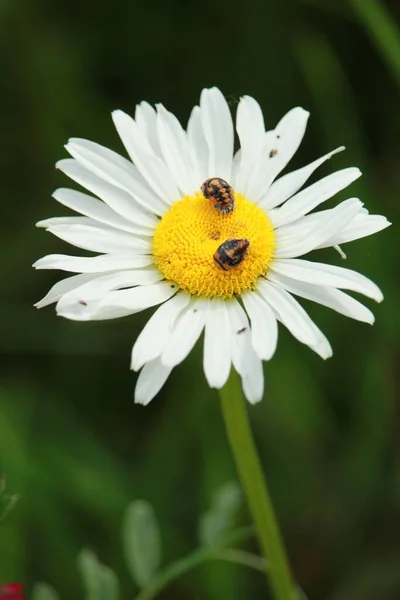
[
  {"x": 323, "y": 229},
  {"x": 198, "y": 146},
  {"x": 53, "y": 221},
  {"x": 175, "y": 150},
  {"x": 253, "y": 381},
  {"x": 99, "y": 239},
  {"x": 95, "y": 209},
  {"x": 102, "y": 161},
  {"x": 93, "y": 264},
  {"x": 327, "y": 276},
  {"x": 146, "y": 119},
  {"x": 236, "y": 166},
  {"x": 113, "y": 224},
  {"x": 279, "y": 147},
  {"x": 264, "y": 327},
  {"x": 289, "y": 133},
  {"x": 217, "y": 342},
  {"x": 116, "y": 170},
  {"x": 295, "y": 318},
  {"x": 186, "y": 332},
  {"x": 62, "y": 287},
  {"x": 289, "y": 184},
  {"x": 136, "y": 203},
  {"x": 99, "y": 286},
  {"x": 152, "y": 168},
  {"x": 251, "y": 132},
  {"x": 218, "y": 131},
  {"x": 150, "y": 381},
  {"x": 317, "y": 193},
  {"x": 239, "y": 325},
  {"x": 361, "y": 226},
  {"x": 114, "y": 304},
  {"x": 330, "y": 297},
  {"x": 244, "y": 358},
  {"x": 157, "y": 331},
  {"x": 303, "y": 226}
]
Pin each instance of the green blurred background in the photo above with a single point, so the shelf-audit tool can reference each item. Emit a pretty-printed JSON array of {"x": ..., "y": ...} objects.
[{"x": 72, "y": 443}]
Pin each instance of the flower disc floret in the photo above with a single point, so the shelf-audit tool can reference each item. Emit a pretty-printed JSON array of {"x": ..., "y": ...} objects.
[{"x": 190, "y": 233}]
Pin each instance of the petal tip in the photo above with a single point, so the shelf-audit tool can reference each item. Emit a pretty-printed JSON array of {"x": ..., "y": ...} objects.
[
  {"x": 61, "y": 163},
  {"x": 141, "y": 400},
  {"x": 254, "y": 399},
  {"x": 136, "y": 364},
  {"x": 302, "y": 111},
  {"x": 118, "y": 114},
  {"x": 42, "y": 224}
]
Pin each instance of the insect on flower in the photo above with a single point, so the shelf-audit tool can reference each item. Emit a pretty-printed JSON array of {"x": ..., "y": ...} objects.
[
  {"x": 220, "y": 193},
  {"x": 231, "y": 253}
]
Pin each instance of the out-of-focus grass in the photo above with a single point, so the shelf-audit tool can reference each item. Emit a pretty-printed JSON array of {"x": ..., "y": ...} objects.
[
  {"x": 72, "y": 444},
  {"x": 383, "y": 30}
]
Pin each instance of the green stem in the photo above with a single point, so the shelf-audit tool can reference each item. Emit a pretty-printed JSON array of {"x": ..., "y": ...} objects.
[
  {"x": 251, "y": 475},
  {"x": 200, "y": 556},
  {"x": 240, "y": 557},
  {"x": 382, "y": 29}
]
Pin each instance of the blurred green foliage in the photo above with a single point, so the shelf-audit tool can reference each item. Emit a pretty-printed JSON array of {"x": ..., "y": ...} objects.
[
  {"x": 142, "y": 549},
  {"x": 72, "y": 443}
]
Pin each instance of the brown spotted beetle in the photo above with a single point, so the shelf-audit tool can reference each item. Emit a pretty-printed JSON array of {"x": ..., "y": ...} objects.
[
  {"x": 220, "y": 193},
  {"x": 231, "y": 253}
]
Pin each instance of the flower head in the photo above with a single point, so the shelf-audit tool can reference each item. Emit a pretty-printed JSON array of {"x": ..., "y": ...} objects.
[
  {"x": 11, "y": 591},
  {"x": 210, "y": 235}
]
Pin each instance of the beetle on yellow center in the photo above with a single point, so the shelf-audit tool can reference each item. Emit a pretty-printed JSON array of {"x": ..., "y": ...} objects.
[
  {"x": 220, "y": 193},
  {"x": 231, "y": 253}
]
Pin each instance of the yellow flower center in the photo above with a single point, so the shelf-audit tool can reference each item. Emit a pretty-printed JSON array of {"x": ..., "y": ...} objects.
[{"x": 190, "y": 233}]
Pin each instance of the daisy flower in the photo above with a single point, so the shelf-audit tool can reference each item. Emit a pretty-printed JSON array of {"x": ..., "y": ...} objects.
[{"x": 210, "y": 235}]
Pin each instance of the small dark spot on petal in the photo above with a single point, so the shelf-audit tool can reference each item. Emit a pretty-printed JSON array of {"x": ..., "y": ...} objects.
[
  {"x": 273, "y": 153},
  {"x": 239, "y": 331},
  {"x": 195, "y": 310},
  {"x": 172, "y": 286},
  {"x": 82, "y": 302},
  {"x": 278, "y": 136}
]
